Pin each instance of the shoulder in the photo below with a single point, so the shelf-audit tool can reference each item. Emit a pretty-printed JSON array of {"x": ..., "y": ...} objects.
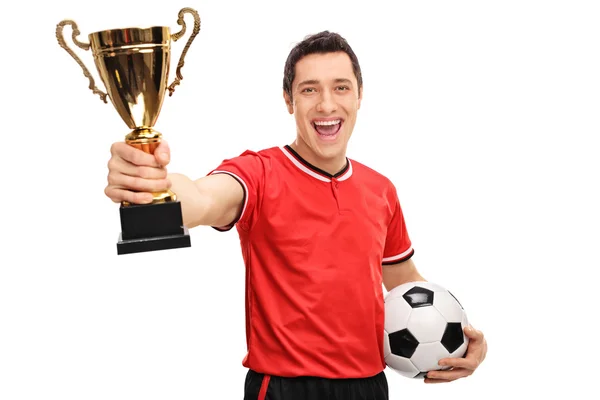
[
  {"x": 263, "y": 156},
  {"x": 371, "y": 177}
]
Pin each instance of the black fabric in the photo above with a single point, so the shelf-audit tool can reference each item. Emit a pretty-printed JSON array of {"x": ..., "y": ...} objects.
[{"x": 311, "y": 388}]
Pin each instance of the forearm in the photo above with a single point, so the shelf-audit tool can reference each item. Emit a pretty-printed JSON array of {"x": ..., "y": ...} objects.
[
  {"x": 192, "y": 203},
  {"x": 213, "y": 200}
]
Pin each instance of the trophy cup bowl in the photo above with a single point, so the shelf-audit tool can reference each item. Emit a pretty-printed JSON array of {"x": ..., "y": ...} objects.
[{"x": 134, "y": 65}]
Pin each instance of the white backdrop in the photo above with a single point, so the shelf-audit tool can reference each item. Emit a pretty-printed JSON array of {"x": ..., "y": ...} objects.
[{"x": 482, "y": 113}]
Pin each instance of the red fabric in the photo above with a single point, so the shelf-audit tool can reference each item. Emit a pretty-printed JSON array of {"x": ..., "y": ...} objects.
[
  {"x": 313, "y": 246},
  {"x": 263, "y": 387}
]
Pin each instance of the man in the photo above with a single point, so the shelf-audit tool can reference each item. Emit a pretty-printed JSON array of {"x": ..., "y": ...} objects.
[{"x": 319, "y": 234}]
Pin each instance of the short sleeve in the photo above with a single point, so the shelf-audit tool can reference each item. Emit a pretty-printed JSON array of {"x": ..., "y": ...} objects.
[
  {"x": 249, "y": 170},
  {"x": 398, "y": 246}
]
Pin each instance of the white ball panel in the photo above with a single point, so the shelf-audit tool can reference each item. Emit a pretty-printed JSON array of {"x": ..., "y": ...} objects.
[
  {"x": 397, "y": 313},
  {"x": 402, "y": 366},
  {"x": 448, "y": 306},
  {"x": 426, "y": 324},
  {"x": 427, "y": 355}
]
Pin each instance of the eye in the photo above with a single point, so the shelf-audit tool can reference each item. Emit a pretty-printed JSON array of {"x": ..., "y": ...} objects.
[
  {"x": 343, "y": 88},
  {"x": 308, "y": 90}
]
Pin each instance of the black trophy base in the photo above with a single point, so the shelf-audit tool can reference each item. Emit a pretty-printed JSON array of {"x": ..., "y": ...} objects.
[
  {"x": 152, "y": 227},
  {"x": 153, "y": 243}
]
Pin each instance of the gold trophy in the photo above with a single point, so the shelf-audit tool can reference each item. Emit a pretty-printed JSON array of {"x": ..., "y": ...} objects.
[{"x": 134, "y": 64}]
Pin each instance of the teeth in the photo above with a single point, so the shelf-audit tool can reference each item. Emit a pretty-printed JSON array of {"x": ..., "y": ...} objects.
[{"x": 326, "y": 123}]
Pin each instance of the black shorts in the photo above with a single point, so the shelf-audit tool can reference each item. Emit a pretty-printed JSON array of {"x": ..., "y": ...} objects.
[{"x": 268, "y": 387}]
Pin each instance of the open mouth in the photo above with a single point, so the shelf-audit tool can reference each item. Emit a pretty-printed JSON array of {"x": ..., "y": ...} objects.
[{"x": 328, "y": 129}]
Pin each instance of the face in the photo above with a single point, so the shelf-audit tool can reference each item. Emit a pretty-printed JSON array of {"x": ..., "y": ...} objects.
[{"x": 326, "y": 99}]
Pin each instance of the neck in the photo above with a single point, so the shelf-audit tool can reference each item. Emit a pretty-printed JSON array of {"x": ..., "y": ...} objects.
[{"x": 330, "y": 165}]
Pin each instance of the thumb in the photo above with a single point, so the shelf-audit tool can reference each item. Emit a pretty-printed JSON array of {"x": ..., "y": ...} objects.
[
  {"x": 162, "y": 153},
  {"x": 473, "y": 333}
]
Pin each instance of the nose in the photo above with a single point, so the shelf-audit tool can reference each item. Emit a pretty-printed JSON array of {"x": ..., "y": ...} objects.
[{"x": 327, "y": 103}]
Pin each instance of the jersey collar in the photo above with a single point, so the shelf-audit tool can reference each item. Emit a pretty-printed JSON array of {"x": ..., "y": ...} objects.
[{"x": 313, "y": 171}]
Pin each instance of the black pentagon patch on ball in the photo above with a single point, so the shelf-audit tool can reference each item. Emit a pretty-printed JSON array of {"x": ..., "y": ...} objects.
[
  {"x": 403, "y": 343},
  {"x": 453, "y": 336},
  {"x": 419, "y": 297}
]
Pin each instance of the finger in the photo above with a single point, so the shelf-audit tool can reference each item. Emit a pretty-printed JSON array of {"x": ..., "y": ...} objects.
[
  {"x": 459, "y": 362},
  {"x": 163, "y": 153},
  {"x": 429, "y": 380},
  {"x": 449, "y": 375},
  {"x": 133, "y": 155},
  {"x": 117, "y": 164},
  {"x": 137, "y": 184},
  {"x": 119, "y": 195},
  {"x": 485, "y": 349}
]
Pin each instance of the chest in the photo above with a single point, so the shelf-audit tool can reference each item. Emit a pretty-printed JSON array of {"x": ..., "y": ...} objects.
[{"x": 331, "y": 221}]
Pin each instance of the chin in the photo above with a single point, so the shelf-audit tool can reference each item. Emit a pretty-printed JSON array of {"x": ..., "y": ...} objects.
[{"x": 331, "y": 149}]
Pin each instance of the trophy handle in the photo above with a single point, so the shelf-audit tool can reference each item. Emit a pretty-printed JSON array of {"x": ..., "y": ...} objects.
[
  {"x": 177, "y": 36},
  {"x": 84, "y": 46}
]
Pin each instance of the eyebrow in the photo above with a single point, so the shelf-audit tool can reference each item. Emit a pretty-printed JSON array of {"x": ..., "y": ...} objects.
[{"x": 316, "y": 82}]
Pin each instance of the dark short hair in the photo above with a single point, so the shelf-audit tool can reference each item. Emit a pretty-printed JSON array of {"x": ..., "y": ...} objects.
[{"x": 323, "y": 42}]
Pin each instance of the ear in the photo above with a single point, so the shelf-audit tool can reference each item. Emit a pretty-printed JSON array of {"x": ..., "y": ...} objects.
[
  {"x": 288, "y": 102},
  {"x": 360, "y": 96}
]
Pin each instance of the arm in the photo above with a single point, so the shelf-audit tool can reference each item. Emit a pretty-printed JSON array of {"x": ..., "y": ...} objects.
[
  {"x": 397, "y": 274},
  {"x": 213, "y": 200}
]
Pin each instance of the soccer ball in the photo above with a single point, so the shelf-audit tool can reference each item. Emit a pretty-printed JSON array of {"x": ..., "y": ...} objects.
[{"x": 424, "y": 323}]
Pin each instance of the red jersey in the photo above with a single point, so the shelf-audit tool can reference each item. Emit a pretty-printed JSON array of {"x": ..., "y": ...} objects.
[{"x": 314, "y": 245}]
